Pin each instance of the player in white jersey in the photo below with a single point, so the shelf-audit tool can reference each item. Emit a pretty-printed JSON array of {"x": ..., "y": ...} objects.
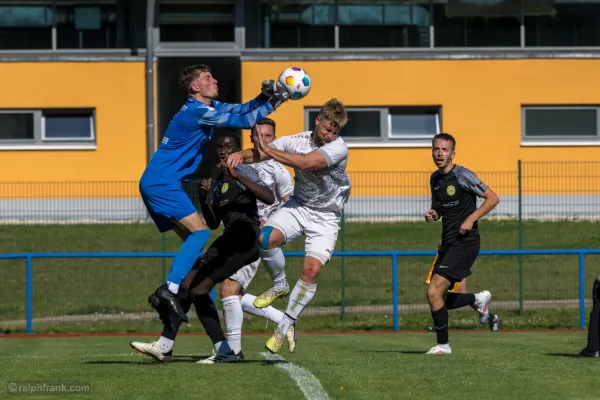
[
  {"x": 233, "y": 298},
  {"x": 319, "y": 159}
]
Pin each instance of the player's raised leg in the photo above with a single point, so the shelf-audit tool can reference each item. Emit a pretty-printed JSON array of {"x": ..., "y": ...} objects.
[
  {"x": 593, "y": 339},
  {"x": 281, "y": 228},
  {"x": 494, "y": 320},
  {"x": 182, "y": 264}
]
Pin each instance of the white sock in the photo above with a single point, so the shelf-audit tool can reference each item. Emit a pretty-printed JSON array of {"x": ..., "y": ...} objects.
[
  {"x": 274, "y": 263},
  {"x": 270, "y": 313},
  {"x": 173, "y": 287},
  {"x": 301, "y": 295},
  {"x": 222, "y": 347},
  {"x": 166, "y": 345},
  {"x": 444, "y": 346},
  {"x": 233, "y": 316}
]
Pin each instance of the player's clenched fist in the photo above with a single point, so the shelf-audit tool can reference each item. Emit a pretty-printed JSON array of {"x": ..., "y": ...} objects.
[
  {"x": 205, "y": 184},
  {"x": 431, "y": 215}
]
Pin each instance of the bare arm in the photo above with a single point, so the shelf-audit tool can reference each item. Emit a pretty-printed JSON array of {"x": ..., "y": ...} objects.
[
  {"x": 312, "y": 160},
  {"x": 261, "y": 192},
  {"x": 211, "y": 219},
  {"x": 490, "y": 201}
]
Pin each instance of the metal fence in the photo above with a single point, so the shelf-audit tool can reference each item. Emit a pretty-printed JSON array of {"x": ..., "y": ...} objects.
[{"x": 544, "y": 205}]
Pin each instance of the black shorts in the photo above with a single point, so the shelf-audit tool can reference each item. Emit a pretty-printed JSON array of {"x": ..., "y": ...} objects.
[
  {"x": 235, "y": 248},
  {"x": 454, "y": 261}
]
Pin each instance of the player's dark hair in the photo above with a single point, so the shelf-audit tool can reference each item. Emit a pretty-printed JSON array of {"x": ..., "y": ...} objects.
[
  {"x": 444, "y": 136},
  {"x": 265, "y": 121},
  {"x": 189, "y": 74},
  {"x": 232, "y": 136}
]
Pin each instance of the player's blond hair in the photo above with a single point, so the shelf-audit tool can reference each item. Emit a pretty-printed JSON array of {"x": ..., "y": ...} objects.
[{"x": 334, "y": 112}]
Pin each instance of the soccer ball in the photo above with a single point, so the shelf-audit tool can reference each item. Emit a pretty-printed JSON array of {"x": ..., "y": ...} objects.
[{"x": 296, "y": 81}]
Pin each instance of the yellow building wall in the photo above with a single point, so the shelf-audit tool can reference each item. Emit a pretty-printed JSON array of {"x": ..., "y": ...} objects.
[
  {"x": 115, "y": 89},
  {"x": 481, "y": 106}
]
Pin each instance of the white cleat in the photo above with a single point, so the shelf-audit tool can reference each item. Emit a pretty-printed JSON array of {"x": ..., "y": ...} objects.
[
  {"x": 440, "y": 350},
  {"x": 220, "y": 358},
  {"x": 152, "y": 349},
  {"x": 482, "y": 300},
  {"x": 291, "y": 338}
]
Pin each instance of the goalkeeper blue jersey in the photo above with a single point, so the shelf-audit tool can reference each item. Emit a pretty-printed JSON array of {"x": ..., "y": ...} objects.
[{"x": 189, "y": 131}]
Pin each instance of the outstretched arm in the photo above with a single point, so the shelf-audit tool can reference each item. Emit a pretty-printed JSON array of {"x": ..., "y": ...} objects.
[
  {"x": 268, "y": 89},
  {"x": 244, "y": 108},
  {"x": 213, "y": 117}
]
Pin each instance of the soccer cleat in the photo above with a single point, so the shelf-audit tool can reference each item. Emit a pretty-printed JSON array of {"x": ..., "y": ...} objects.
[
  {"x": 291, "y": 338},
  {"x": 163, "y": 295},
  {"x": 268, "y": 297},
  {"x": 240, "y": 356},
  {"x": 585, "y": 353},
  {"x": 222, "y": 358},
  {"x": 152, "y": 349},
  {"x": 439, "y": 350},
  {"x": 274, "y": 343},
  {"x": 482, "y": 300},
  {"x": 495, "y": 323}
]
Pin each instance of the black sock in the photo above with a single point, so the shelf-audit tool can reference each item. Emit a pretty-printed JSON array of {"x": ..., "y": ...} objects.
[
  {"x": 209, "y": 317},
  {"x": 458, "y": 300},
  {"x": 594, "y": 325},
  {"x": 170, "y": 329},
  {"x": 440, "y": 321}
]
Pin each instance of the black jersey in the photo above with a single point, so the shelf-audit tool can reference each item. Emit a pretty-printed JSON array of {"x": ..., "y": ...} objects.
[
  {"x": 230, "y": 200},
  {"x": 455, "y": 194}
]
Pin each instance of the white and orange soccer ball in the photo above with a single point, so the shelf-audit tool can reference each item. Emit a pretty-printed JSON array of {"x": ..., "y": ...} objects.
[{"x": 296, "y": 81}]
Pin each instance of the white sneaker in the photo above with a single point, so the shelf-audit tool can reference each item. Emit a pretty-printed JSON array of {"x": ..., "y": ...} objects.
[
  {"x": 152, "y": 349},
  {"x": 440, "y": 350},
  {"x": 220, "y": 358},
  {"x": 482, "y": 300},
  {"x": 291, "y": 338}
]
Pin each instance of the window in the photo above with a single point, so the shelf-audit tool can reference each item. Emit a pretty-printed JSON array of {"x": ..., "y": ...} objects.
[
  {"x": 86, "y": 27},
  {"x": 384, "y": 25},
  {"x": 47, "y": 128},
  {"x": 555, "y": 123},
  {"x": 397, "y": 125},
  {"x": 181, "y": 21},
  {"x": 16, "y": 125},
  {"x": 297, "y": 25},
  {"x": 459, "y": 26},
  {"x": 566, "y": 24},
  {"x": 25, "y": 27}
]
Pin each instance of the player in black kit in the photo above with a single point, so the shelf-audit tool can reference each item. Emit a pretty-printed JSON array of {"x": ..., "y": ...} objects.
[
  {"x": 593, "y": 345},
  {"x": 454, "y": 191},
  {"x": 229, "y": 197}
]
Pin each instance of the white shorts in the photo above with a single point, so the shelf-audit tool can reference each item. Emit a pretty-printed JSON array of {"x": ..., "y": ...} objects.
[
  {"x": 245, "y": 275},
  {"x": 320, "y": 227}
]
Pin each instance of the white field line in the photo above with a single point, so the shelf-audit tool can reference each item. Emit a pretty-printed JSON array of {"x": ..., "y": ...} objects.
[{"x": 307, "y": 382}]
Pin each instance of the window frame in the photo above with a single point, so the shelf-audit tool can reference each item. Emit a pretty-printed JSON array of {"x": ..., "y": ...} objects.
[
  {"x": 40, "y": 141},
  {"x": 556, "y": 140},
  {"x": 385, "y": 138}
]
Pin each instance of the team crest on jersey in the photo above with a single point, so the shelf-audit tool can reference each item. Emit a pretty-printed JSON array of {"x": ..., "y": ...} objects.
[
  {"x": 451, "y": 190},
  {"x": 225, "y": 187}
]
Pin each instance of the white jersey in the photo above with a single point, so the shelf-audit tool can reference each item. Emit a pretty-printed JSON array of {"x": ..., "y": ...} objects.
[
  {"x": 326, "y": 189},
  {"x": 278, "y": 179}
]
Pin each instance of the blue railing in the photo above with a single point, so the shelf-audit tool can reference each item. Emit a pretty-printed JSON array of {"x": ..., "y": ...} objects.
[{"x": 580, "y": 253}]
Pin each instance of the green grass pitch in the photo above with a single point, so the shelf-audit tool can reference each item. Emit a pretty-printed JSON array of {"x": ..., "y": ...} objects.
[{"x": 528, "y": 365}]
